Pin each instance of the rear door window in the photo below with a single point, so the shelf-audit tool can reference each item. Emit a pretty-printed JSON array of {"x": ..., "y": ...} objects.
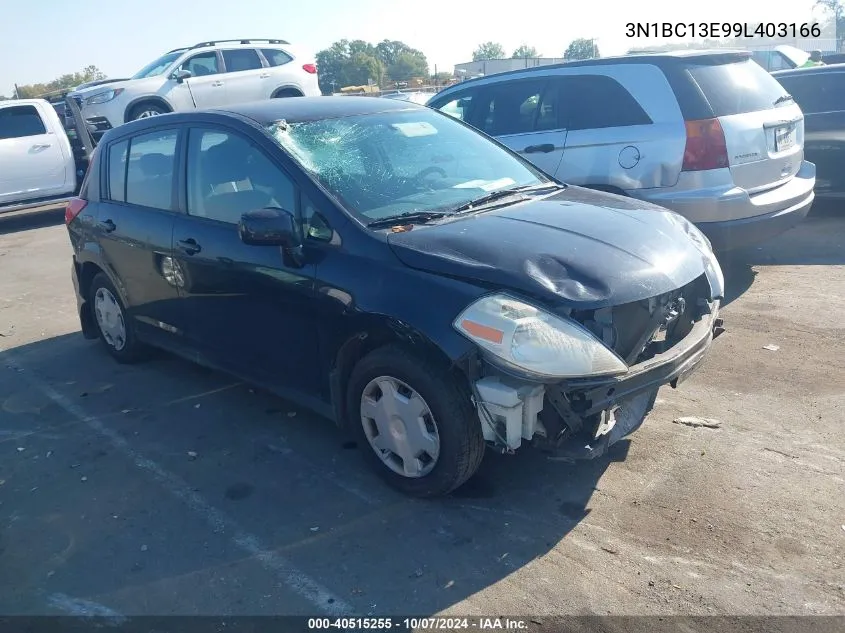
[
  {"x": 20, "y": 122},
  {"x": 597, "y": 101},
  {"x": 737, "y": 88},
  {"x": 824, "y": 92},
  {"x": 240, "y": 59},
  {"x": 151, "y": 169}
]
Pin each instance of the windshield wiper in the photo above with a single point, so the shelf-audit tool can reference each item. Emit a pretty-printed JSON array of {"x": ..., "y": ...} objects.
[
  {"x": 418, "y": 217},
  {"x": 783, "y": 99},
  {"x": 504, "y": 193}
]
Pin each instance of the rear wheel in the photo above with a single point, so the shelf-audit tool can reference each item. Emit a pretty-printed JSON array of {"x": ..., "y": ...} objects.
[
  {"x": 116, "y": 330},
  {"x": 416, "y": 426},
  {"x": 145, "y": 111}
]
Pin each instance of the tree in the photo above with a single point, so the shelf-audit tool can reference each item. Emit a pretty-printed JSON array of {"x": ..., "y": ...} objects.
[
  {"x": 836, "y": 11},
  {"x": 525, "y": 51},
  {"x": 582, "y": 48},
  {"x": 356, "y": 62},
  {"x": 488, "y": 50},
  {"x": 65, "y": 82}
]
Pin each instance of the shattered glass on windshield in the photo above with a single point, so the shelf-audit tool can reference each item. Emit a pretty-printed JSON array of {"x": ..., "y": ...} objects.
[{"x": 398, "y": 163}]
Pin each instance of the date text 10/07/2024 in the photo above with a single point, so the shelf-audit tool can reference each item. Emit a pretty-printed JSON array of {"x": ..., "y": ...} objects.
[
  {"x": 419, "y": 624},
  {"x": 715, "y": 30}
]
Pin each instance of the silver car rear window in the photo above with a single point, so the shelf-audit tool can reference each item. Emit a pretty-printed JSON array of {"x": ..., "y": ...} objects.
[{"x": 738, "y": 88}]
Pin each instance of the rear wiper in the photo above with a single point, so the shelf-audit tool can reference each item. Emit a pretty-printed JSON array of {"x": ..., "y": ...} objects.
[
  {"x": 504, "y": 193},
  {"x": 783, "y": 99},
  {"x": 418, "y": 217}
]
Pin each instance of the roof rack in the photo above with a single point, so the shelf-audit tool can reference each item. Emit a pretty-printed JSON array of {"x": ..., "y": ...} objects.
[{"x": 241, "y": 41}]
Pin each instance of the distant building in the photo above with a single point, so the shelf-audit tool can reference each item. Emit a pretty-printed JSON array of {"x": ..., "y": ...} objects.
[{"x": 493, "y": 66}]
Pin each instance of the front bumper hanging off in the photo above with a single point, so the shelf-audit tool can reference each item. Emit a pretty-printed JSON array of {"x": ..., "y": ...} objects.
[{"x": 615, "y": 407}]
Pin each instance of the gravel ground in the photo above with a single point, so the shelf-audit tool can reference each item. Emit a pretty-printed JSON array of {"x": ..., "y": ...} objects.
[{"x": 164, "y": 488}]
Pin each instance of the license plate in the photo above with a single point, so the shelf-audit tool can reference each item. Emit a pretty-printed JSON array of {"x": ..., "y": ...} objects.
[{"x": 784, "y": 138}]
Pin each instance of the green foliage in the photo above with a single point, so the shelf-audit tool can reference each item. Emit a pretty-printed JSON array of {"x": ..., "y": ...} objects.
[
  {"x": 836, "y": 13},
  {"x": 65, "y": 82},
  {"x": 354, "y": 63},
  {"x": 525, "y": 51},
  {"x": 488, "y": 50},
  {"x": 582, "y": 48}
]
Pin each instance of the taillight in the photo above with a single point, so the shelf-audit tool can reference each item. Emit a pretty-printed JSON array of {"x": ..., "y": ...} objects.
[
  {"x": 74, "y": 208},
  {"x": 706, "y": 148},
  {"x": 310, "y": 68}
]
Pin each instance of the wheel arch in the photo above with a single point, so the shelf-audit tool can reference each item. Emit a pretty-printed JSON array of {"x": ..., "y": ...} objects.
[
  {"x": 286, "y": 87},
  {"x": 86, "y": 271},
  {"x": 380, "y": 331},
  {"x": 153, "y": 99}
]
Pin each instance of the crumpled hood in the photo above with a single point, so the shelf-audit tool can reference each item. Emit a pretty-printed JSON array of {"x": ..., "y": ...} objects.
[{"x": 579, "y": 249}]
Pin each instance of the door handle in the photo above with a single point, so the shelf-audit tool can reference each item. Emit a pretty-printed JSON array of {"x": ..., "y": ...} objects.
[
  {"x": 217, "y": 84},
  {"x": 107, "y": 225},
  {"x": 264, "y": 75},
  {"x": 41, "y": 146},
  {"x": 539, "y": 149},
  {"x": 189, "y": 246}
]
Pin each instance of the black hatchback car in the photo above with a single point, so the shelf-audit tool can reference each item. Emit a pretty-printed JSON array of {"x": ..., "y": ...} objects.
[
  {"x": 820, "y": 92},
  {"x": 394, "y": 270}
]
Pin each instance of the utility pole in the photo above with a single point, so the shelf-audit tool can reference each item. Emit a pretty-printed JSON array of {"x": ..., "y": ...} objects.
[{"x": 17, "y": 92}]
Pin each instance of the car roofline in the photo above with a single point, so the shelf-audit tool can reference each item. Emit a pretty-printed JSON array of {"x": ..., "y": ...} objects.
[{"x": 664, "y": 59}]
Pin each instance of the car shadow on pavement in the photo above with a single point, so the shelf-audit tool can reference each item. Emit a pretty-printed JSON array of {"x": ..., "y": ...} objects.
[
  {"x": 287, "y": 479},
  {"x": 28, "y": 220},
  {"x": 817, "y": 241}
]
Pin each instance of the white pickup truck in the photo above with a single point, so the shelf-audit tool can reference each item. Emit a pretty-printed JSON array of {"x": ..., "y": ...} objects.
[{"x": 38, "y": 169}]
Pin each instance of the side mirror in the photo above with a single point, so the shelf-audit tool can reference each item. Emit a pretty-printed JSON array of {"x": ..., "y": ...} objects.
[
  {"x": 269, "y": 227},
  {"x": 182, "y": 74}
]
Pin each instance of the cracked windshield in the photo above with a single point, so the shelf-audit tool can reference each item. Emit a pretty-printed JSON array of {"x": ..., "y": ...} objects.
[{"x": 384, "y": 165}]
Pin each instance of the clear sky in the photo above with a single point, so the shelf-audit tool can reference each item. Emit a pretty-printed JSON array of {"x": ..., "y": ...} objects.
[{"x": 42, "y": 39}]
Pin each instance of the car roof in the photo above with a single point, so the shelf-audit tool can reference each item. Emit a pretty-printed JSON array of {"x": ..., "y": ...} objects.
[
  {"x": 812, "y": 70},
  {"x": 299, "y": 109}
]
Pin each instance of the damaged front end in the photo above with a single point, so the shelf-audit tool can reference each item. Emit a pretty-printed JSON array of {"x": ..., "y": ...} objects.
[{"x": 623, "y": 354}]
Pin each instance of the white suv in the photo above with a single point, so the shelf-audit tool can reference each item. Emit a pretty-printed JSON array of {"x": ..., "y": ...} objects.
[{"x": 208, "y": 74}]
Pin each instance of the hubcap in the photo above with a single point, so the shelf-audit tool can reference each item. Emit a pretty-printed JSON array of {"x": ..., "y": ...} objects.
[
  {"x": 146, "y": 114},
  {"x": 400, "y": 427},
  {"x": 110, "y": 318}
]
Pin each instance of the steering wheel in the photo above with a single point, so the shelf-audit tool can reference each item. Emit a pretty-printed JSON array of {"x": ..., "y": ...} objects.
[{"x": 421, "y": 176}]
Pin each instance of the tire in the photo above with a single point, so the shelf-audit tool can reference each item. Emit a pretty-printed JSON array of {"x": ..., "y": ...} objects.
[
  {"x": 460, "y": 441},
  {"x": 127, "y": 350},
  {"x": 145, "y": 110}
]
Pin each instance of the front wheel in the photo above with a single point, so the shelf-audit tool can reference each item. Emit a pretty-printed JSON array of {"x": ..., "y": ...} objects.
[
  {"x": 145, "y": 111},
  {"x": 418, "y": 429}
]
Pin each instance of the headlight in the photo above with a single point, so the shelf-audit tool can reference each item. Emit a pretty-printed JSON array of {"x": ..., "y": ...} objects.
[
  {"x": 103, "y": 97},
  {"x": 714, "y": 271},
  {"x": 535, "y": 342}
]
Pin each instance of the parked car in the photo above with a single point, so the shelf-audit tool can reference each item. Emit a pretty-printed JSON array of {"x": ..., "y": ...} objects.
[
  {"x": 395, "y": 270},
  {"x": 708, "y": 134},
  {"x": 37, "y": 164},
  {"x": 414, "y": 97},
  {"x": 205, "y": 75},
  {"x": 820, "y": 92},
  {"x": 780, "y": 58},
  {"x": 834, "y": 58}
]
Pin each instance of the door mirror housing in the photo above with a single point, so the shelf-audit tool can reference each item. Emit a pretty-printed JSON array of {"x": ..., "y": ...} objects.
[
  {"x": 182, "y": 74},
  {"x": 269, "y": 227}
]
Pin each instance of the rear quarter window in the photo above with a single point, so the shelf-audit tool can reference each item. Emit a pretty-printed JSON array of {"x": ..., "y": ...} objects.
[
  {"x": 737, "y": 88},
  {"x": 597, "y": 101},
  {"x": 275, "y": 57}
]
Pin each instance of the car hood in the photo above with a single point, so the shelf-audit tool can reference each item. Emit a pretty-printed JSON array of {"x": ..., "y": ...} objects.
[
  {"x": 84, "y": 93},
  {"x": 578, "y": 249}
]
